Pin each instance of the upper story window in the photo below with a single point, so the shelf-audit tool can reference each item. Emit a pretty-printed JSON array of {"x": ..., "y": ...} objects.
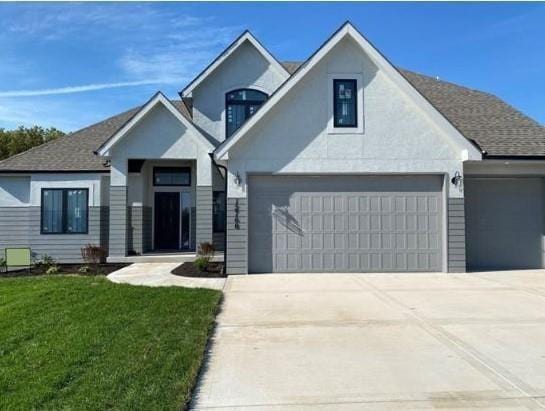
[
  {"x": 345, "y": 103},
  {"x": 64, "y": 210},
  {"x": 240, "y": 105},
  {"x": 171, "y": 176}
]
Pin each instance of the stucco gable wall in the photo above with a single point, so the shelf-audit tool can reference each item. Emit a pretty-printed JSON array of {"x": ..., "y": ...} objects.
[
  {"x": 294, "y": 138},
  {"x": 160, "y": 135},
  {"x": 245, "y": 68}
]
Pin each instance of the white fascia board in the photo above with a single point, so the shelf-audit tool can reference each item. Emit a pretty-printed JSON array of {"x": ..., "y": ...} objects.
[
  {"x": 159, "y": 98},
  {"x": 246, "y": 36},
  {"x": 348, "y": 30}
]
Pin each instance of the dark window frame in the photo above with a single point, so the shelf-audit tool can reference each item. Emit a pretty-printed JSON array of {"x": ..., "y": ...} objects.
[
  {"x": 335, "y": 117},
  {"x": 172, "y": 169},
  {"x": 214, "y": 210},
  {"x": 246, "y": 103},
  {"x": 64, "y": 213}
]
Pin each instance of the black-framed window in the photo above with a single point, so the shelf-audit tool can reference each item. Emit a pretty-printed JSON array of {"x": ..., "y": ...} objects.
[
  {"x": 172, "y": 176},
  {"x": 218, "y": 211},
  {"x": 65, "y": 211},
  {"x": 345, "y": 103},
  {"x": 240, "y": 105}
]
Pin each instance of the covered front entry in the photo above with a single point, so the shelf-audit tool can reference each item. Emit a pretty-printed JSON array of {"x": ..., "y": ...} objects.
[
  {"x": 172, "y": 221},
  {"x": 345, "y": 223},
  {"x": 504, "y": 223}
]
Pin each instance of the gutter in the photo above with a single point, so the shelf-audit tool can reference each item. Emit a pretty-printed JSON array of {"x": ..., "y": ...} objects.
[{"x": 218, "y": 166}]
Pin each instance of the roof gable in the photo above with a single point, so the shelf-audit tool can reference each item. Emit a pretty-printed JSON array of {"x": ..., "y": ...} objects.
[
  {"x": 157, "y": 99},
  {"x": 347, "y": 30},
  {"x": 218, "y": 61}
]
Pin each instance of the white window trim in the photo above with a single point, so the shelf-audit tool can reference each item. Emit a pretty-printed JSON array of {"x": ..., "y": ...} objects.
[{"x": 331, "y": 129}]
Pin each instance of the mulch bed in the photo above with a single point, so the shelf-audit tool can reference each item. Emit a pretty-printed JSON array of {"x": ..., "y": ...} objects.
[
  {"x": 215, "y": 270},
  {"x": 103, "y": 269}
]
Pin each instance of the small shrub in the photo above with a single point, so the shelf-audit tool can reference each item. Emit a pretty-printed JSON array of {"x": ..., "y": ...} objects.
[
  {"x": 46, "y": 262},
  {"x": 84, "y": 269},
  {"x": 2, "y": 264},
  {"x": 201, "y": 263},
  {"x": 206, "y": 250},
  {"x": 54, "y": 269},
  {"x": 93, "y": 254}
]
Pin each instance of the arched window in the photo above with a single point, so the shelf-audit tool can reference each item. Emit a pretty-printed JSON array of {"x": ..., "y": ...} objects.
[{"x": 240, "y": 105}]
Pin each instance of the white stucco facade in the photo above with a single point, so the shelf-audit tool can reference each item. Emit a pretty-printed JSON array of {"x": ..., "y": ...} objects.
[
  {"x": 246, "y": 67},
  {"x": 46, "y": 180},
  {"x": 159, "y": 135},
  {"x": 294, "y": 137},
  {"x": 14, "y": 191}
]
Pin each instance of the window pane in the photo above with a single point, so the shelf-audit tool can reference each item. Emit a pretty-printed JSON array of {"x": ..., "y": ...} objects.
[
  {"x": 172, "y": 176},
  {"x": 52, "y": 211},
  {"x": 76, "y": 211},
  {"x": 241, "y": 105},
  {"x": 186, "y": 220},
  {"x": 345, "y": 103},
  {"x": 246, "y": 95},
  {"x": 236, "y": 115}
]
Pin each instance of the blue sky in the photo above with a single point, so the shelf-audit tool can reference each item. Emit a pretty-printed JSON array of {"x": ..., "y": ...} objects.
[{"x": 70, "y": 65}]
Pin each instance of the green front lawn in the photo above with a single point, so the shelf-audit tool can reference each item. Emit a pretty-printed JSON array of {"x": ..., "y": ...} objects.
[{"x": 73, "y": 342}]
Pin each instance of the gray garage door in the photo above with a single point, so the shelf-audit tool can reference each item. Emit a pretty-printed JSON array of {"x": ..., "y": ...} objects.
[
  {"x": 344, "y": 223},
  {"x": 504, "y": 223}
]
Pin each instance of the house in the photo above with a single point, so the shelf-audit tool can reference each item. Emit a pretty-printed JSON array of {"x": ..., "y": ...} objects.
[{"x": 340, "y": 163}]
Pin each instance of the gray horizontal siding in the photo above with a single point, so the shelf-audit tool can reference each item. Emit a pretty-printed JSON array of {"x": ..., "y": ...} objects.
[
  {"x": 456, "y": 235},
  {"x": 237, "y": 239},
  {"x": 20, "y": 227},
  {"x": 118, "y": 221},
  {"x": 203, "y": 227},
  {"x": 135, "y": 229}
]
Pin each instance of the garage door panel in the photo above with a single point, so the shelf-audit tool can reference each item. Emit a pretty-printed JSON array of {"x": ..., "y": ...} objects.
[
  {"x": 504, "y": 223},
  {"x": 301, "y": 224}
]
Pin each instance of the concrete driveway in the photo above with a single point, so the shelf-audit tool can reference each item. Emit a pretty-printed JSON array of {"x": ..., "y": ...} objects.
[{"x": 384, "y": 341}]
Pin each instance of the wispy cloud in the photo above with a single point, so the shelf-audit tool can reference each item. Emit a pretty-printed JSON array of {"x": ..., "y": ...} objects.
[
  {"x": 75, "y": 89},
  {"x": 136, "y": 45}
]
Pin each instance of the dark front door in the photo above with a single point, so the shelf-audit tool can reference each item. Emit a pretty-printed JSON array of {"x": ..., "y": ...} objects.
[{"x": 167, "y": 221}]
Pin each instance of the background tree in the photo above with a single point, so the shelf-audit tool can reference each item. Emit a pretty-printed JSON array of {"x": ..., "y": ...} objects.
[{"x": 23, "y": 138}]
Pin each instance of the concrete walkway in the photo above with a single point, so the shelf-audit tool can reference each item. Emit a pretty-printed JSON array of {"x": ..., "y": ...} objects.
[
  {"x": 159, "y": 275},
  {"x": 352, "y": 342}
]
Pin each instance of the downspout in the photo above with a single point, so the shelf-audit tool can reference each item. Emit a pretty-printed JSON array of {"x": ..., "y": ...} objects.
[{"x": 218, "y": 166}]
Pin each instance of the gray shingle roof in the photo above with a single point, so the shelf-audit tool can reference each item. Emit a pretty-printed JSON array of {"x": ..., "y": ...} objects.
[
  {"x": 75, "y": 151},
  {"x": 496, "y": 127}
]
